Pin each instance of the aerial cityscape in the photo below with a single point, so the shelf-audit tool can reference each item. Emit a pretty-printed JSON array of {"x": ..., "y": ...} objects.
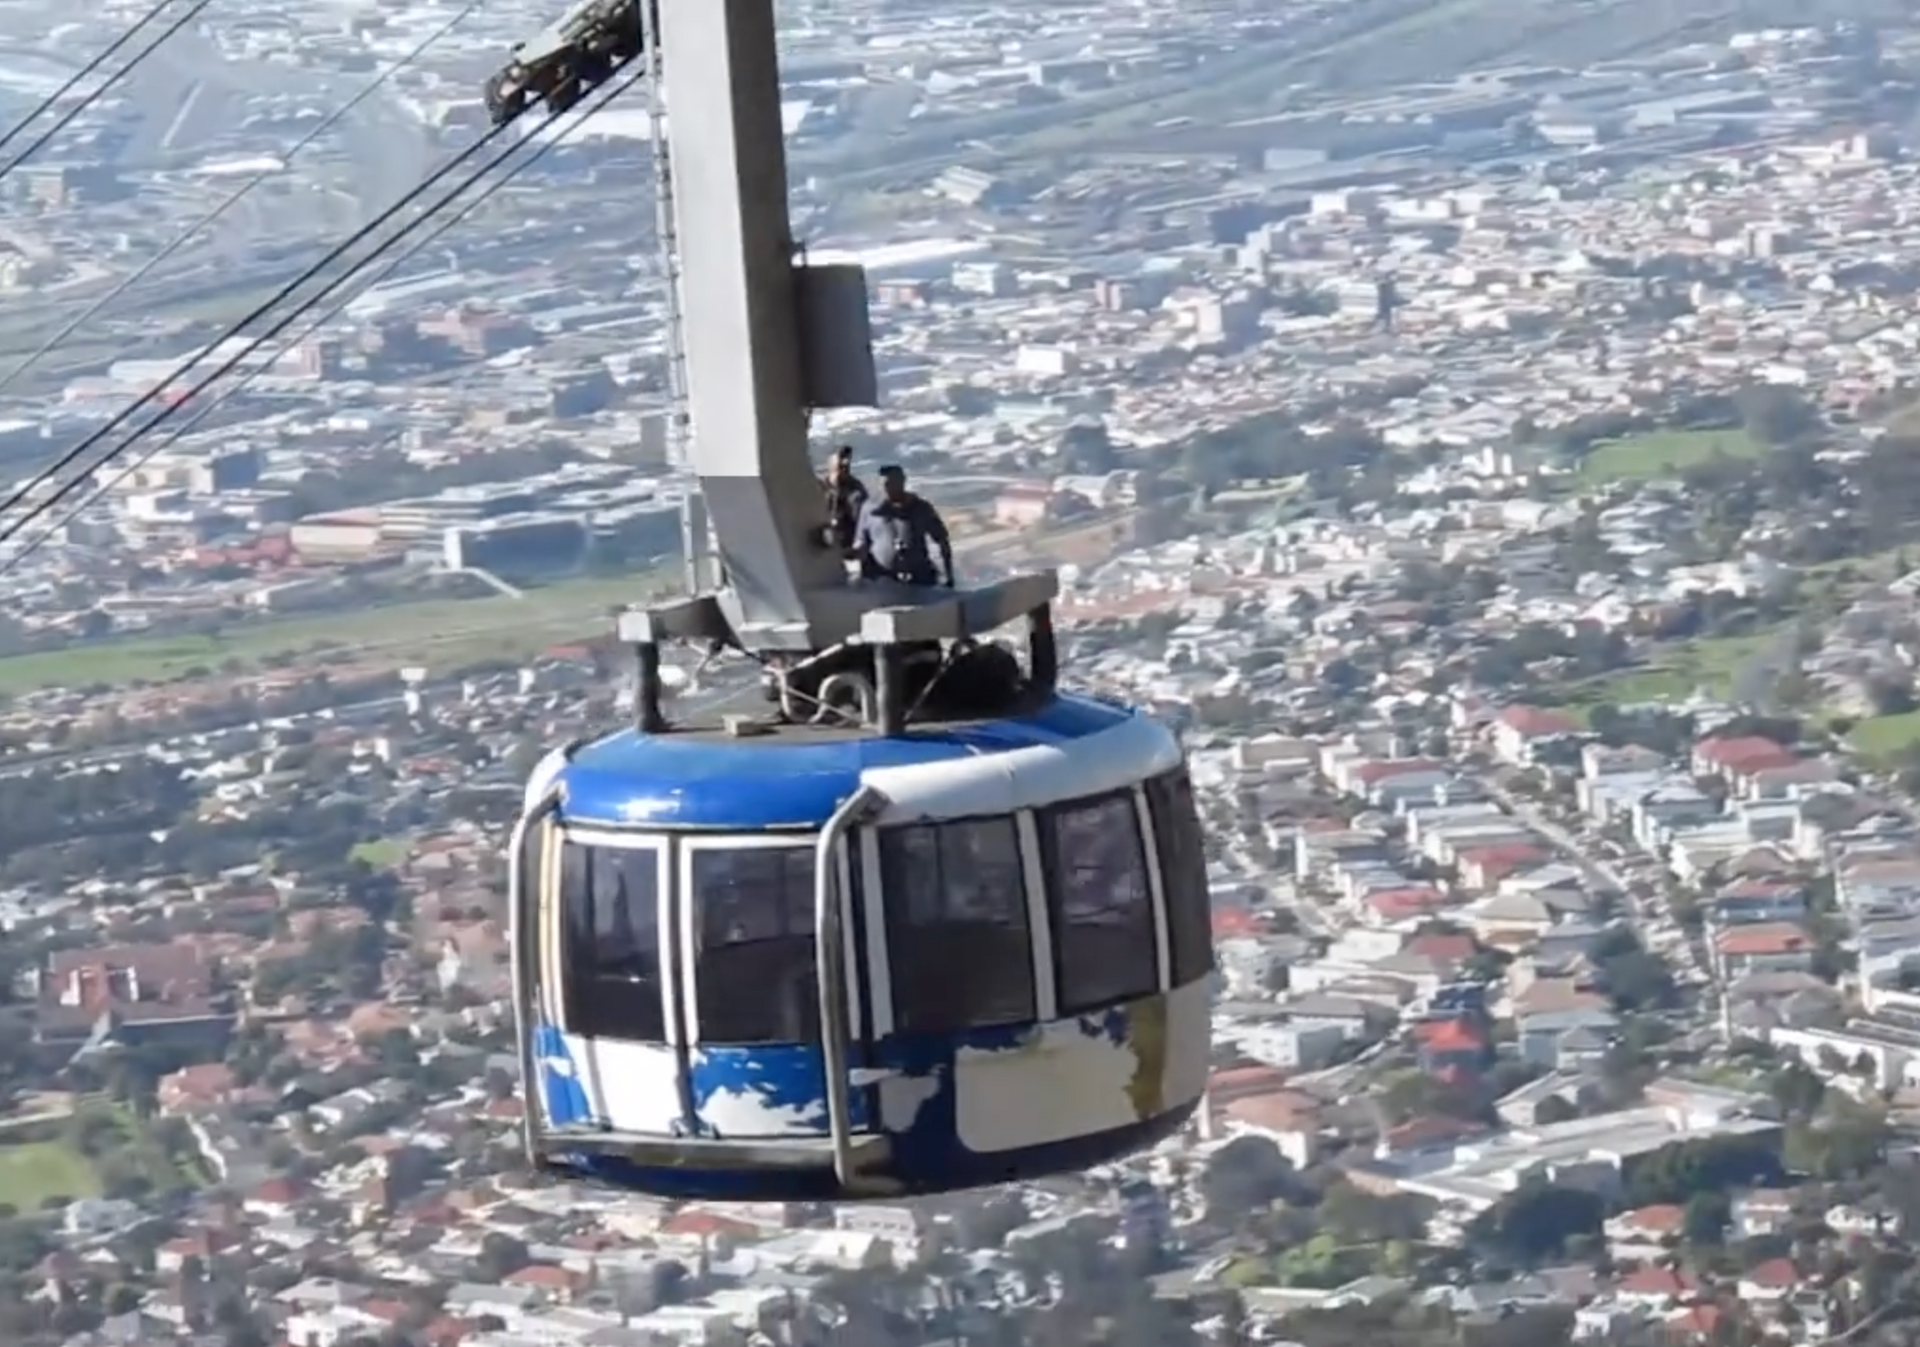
[{"x": 1486, "y": 432}]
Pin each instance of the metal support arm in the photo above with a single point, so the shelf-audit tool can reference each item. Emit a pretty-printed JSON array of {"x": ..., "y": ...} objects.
[
  {"x": 523, "y": 903},
  {"x": 829, "y": 935}
]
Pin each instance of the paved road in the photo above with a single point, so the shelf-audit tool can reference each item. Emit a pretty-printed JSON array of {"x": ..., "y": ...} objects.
[
  {"x": 1692, "y": 952},
  {"x": 1598, "y": 870}
]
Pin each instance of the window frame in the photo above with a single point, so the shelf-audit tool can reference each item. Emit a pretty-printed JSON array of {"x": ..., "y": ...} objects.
[
  {"x": 1046, "y": 825},
  {"x": 1181, "y": 933},
  {"x": 578, "y": 986},
  {"x": 1030, "y": 917},
  {"x": 691, "y": 916}
]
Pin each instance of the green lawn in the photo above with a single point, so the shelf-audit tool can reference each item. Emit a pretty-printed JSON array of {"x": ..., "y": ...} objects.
[
  {"x": 381, "y": 853},
  {"x": 1883, "y": 736},
  {"x": 31, "y": 1172},
  {"x": 1674, "y": 673},
  {"x": 1661, "y": 453},
  {"x": 445, "y": 632}
]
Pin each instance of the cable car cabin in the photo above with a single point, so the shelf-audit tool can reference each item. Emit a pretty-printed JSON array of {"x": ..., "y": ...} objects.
[{"x": 1014, "y": 955}]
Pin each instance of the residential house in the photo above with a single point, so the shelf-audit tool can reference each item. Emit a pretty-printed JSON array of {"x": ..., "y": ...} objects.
[
  {"x": 1789, "y": 781},
  {"x": 1771, "y": 947},
  {"x": 1535, "y": 1102},
  {"x": 1563, "y": 1040},
  {"x": 1452, "y": 1045},
  {"x": 1484, "y": 867},
  {"x": 1645, "y": 1234},
  {"x": 1520, "y": 732},
  {"x": 1737, "y": 759},
  {"x": 1749, "y": 902},
  {"x": 1676, "y": 805},
  {"x": 1871, "y": 1219},
  {"x": 1770, "y": 1282}
]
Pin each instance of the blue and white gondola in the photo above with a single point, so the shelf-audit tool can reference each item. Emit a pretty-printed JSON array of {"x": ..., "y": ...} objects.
[{"x": 1017, "y": 955}]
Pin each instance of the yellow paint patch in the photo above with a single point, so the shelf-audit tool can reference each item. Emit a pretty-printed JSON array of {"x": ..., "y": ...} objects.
[{"x": 1147, "y": 1038}]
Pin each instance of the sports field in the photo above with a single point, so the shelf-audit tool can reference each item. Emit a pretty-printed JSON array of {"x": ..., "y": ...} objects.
[
  {"x": 1712, "y": 665},
  {"x": 1883, "y": 736},
  {"x": 432, "y": 631},
  {"x": 1662, "y": 453},
  {"x": 33, "y": 1171}
]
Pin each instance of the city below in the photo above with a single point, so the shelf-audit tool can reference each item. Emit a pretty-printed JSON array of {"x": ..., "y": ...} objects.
[{"x": 1489, "y": 432}]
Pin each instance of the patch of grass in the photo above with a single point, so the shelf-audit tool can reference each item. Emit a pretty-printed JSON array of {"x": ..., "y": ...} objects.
[
  {"x": 1675, "y": 673},
  {"x": 1884, "y": 736},
  {"x": 381, "y": 852},
  {"x": 32, "y": 1172},
  {"x": 436, "y": 632},
  {"x": 1663, "y": 453}
]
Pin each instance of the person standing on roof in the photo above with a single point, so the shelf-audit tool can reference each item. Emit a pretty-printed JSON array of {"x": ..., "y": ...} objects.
[
  {"x": 846, "y": 497},
  {"x": 895, "y": 532}
]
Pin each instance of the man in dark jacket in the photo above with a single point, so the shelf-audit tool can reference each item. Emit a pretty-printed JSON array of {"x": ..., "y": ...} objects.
[
  {"x": 895, "y": 532},
  {"x": 846, "y": 496}
]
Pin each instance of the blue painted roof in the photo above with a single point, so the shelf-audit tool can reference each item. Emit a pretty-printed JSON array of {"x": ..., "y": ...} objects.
[{"x": 745, "y": 785}]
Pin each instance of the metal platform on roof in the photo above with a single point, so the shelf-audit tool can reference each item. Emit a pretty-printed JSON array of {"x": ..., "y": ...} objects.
[{"x": 871, "y": 612}]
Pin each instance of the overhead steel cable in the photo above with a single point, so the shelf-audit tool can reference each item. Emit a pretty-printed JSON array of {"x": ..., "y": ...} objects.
[
  {"x": 413, "y": 250},
  {"x": 53, "y": 343},
  {"x": 73, "y": 483},
  {"x": 74, "y": 81},
  {"x": 66, "y": 118},
  {"x": 77, "y": 454}
]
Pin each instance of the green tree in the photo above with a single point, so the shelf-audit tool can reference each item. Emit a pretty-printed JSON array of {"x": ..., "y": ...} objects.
[
  {"x": 1536, "y": 1223},
  {"x": 1245, "y": 1174},
  {"x": 1798, "y": 1091},
  {"x": 1707, "y": 1217},
  {"x": 1844, "y": 1146}
]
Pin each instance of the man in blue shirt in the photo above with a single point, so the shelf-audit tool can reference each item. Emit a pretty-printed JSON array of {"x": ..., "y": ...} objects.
[{"x": 895, "y": 530}]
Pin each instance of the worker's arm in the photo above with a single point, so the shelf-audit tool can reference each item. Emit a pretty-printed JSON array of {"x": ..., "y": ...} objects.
[
  {"x": 862, "y": 548},
  {"x": 936, "y": 528}
]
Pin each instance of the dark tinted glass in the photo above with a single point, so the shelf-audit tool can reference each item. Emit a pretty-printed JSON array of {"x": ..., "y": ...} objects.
[
  {"x": 1182, "y": 853},
  {"x": 957, "y": 941},
  {"x": 1101, "y": 902},
  {"x": 611, "y": 900},
  {"x": 756, "y": 978}
]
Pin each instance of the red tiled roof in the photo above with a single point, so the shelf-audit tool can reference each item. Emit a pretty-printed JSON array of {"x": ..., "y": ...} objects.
[
  {"x": 1449, "y": 1035},
  {"x": 1232, "y": 921},
  {"x": 279, "y": 1191},
  {"x": 1537, "y": 722},
  {"x": 1774, "y": 1272},
  {"x": 1412, "y": 901},
  {"x": 1442, "y": 945},
  {"x": 1502, "y": 859},
  {"x": 1744, "y": 753},
  {"x": 1662, "y": 1218},
  {"x": 1775, "y": 937},
  {"x": 701, "y": 1224}
]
